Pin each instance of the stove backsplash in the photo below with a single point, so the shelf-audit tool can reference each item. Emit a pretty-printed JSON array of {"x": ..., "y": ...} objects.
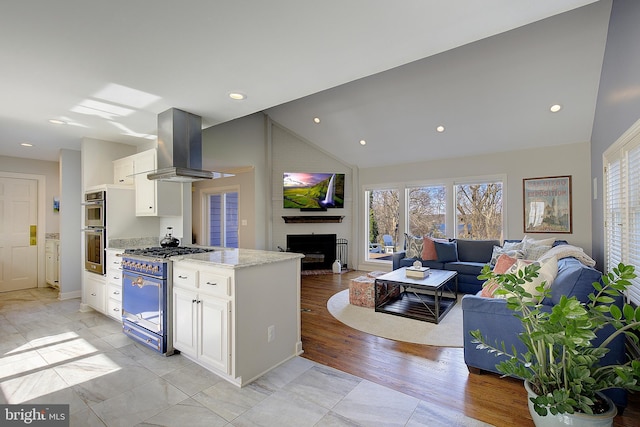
[{"x": 140, "y": 242}]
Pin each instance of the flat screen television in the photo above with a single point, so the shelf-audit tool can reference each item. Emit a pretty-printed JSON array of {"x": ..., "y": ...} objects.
[{"x": 313, "y": 191}]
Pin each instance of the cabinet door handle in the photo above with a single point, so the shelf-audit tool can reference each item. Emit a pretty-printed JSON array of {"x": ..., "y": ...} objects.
[
  {"x": 116, "y": 293},
  {"x": 199, "y": 301},
  {"x": 116, "y": 309},
  {"x": 93, "y": 295},
  {"x": 194, "y": 300},
  {"x": 182, "y": 277},
  {"x": 212, "y": 284}
]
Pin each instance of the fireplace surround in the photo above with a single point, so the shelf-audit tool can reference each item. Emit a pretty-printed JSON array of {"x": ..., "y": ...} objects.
[{"x": 319, "y": 249}]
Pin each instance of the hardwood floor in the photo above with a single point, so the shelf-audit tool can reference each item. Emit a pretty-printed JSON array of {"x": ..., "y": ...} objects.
[{"x": 432, "y": 374}]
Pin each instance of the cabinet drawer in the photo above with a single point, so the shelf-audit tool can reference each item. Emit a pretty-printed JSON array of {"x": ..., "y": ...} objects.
[
  {"x": 95, "y": 296},
  {"x": 215, "y": 283},
  {"x": 114, "y": 276},
  {"x": 115, "y": 292},
  {"x": 114, "y": 308},
  {"x": 185, "y": 277}
]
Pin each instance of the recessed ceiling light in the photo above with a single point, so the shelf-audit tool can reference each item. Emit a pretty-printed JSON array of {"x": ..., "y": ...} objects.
[
  {"x": 440, "y": 129},
  {"x": 363, "y": 142},
  {"x": 237, "y": 96},
  {"x": 57, "y": 122},
  {"x": 26, "y": 144},
  {"x": 316, "y": 119},
  {"x": 555, "y": 108}
]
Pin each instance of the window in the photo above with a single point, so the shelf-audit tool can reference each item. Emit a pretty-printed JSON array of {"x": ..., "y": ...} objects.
[
  {"x": 622, "y": 205},
  {"x": 383, "y": 213},
  {"x": 465, "y": 209},
  {"x": 478, "y": 210},
  {"x": 427, "y": 210},
  {"x": 223, "y": 219}
]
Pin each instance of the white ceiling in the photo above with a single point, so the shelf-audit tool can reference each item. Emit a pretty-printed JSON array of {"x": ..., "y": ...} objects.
[{"x": 294, "y": 59}]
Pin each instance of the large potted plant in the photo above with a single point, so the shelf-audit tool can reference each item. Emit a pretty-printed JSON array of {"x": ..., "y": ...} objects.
[{"x": 560, "y": 365}]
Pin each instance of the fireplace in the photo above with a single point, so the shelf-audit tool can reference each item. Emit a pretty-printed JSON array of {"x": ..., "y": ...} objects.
[{"x": 319, "y": 249}]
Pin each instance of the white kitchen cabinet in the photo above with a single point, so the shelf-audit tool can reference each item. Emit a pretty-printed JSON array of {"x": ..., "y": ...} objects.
[
  {"x": 52, "y": 256},
  {"x": 114, "y": 284},
  {"x": 236, "y": 312},
  {"x": 94, "y": 291},
  {"x": 185, "y": 321},
  {"x": 201, "y": 320},
  {"x": 123, "y": 171},
  {"x": 154, "y": 198}
]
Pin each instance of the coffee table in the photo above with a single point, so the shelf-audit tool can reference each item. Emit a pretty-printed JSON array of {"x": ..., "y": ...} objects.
[{"x": 428, "y": 299}]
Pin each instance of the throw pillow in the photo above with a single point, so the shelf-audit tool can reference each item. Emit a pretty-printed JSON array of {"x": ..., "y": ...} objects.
[
  {"x": 530, "y": 241},
  {"x": 414, "y": 246},
  {"x": 535, "y": 252},
  {"x": 498, "y": 251},
  {"x": 513, "y": 246},
  {"x": 547, "y": 273},
  {"x": 429, "y": 248},
  {"x": 504, "y": 263},
  {"x": 534, "y": 249},
  {"x": 447, "y": 251},
  {"x": 502, "y": 266}
]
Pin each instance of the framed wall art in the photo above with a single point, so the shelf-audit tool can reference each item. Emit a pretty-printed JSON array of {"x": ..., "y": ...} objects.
[{"x": 547, "y": 205}]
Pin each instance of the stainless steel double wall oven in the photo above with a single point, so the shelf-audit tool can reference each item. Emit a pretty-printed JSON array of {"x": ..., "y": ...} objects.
[{"x": 95, "y": 230}]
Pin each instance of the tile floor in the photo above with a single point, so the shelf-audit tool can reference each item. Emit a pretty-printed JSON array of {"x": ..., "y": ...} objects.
[{"x": 50, "y": 352}]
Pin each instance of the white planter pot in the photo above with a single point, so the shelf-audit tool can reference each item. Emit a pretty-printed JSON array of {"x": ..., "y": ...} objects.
[{"x": 576, "y": 419}]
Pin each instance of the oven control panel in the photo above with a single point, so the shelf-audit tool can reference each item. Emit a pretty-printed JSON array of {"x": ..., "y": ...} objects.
[{"x": 146, "y": 266}]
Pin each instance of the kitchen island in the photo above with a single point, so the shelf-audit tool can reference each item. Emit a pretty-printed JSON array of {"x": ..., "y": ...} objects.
[{"x": 237, "y": 311}]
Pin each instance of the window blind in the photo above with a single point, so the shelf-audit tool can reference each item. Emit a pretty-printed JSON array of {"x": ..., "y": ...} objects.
[{"x": 622, "y": 205}]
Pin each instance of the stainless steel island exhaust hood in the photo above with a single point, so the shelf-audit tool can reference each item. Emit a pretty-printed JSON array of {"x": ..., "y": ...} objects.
[{"x": 179, "y": 148}]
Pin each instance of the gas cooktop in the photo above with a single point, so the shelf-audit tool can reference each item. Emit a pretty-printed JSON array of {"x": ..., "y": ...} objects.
[{"x": 167, "y": 252}]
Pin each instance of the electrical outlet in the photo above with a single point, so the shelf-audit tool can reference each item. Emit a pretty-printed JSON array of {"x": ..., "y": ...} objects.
[{"x": 271, "y": 333}]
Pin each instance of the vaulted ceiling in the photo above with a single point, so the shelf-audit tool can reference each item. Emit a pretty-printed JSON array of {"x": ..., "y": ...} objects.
[{"x": 384, "y": 72}]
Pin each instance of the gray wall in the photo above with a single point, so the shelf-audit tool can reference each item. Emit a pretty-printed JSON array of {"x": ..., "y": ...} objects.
[
  {"x": 292, "y": 153},
  {"x": 265, "y": 150},
  {"x": 236, "y": 145},
  {"x": 618, "y": 105},
  {"x": 71, "y": 258}
]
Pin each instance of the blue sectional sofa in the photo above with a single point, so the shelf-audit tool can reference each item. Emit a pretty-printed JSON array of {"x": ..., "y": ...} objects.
[
  {"x": 466, "y": 257},
  {"x": 498, "y": 324}
]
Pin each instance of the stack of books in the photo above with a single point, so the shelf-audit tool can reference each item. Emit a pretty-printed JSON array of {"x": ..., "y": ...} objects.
[{"x": 417, "y": 272}]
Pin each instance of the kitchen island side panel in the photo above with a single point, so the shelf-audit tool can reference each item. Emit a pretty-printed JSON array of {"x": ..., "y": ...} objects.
[{"x": 267, "y": 297}]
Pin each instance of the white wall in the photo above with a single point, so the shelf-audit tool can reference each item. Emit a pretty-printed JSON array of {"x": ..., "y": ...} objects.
[{"x": 571, "y": 159}]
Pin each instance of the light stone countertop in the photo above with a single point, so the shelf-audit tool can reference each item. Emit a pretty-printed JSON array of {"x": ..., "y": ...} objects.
[{"x": 237, "y": 258}]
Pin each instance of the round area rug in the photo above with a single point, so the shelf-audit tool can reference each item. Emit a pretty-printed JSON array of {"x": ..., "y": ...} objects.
[{"x": 448, "y": 333}]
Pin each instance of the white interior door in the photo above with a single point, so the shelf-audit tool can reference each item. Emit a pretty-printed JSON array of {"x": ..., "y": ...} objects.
[{"x": 18, "y": 231}]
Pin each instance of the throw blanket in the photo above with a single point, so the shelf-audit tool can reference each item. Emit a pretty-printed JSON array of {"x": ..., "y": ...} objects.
[{"x": 566, "y": 251}]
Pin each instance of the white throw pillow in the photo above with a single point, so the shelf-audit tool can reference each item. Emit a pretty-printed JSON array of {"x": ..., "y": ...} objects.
[
  {"x": 530, "y": 241},
  {"x": 534, "y": 249},
  {"x": 547, "y": 273},
  {"x": 536, "y": 252}
]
